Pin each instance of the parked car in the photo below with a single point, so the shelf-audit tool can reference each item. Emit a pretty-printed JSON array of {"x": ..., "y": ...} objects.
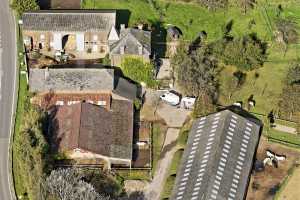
[
  {"x": 188, "y": 102},
  {"x": 171, "y": 97}
]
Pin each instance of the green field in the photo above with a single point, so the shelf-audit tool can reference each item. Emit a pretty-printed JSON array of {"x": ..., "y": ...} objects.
[{"x": 192, "y": 18}]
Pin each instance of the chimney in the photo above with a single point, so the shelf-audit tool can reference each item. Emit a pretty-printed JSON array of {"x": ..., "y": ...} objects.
[
  {"x": 122, "y": 27},
  {"x": 46, "y": 74},
  {"x": 122, "y": 50},
  {"x": 140, "y": 26},
  {"x": 140, "y": 50}
]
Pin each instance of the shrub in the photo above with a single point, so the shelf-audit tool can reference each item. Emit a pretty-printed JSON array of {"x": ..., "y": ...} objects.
[
  {"x": 246, "y": 53},
  {"x": 21, "y": 6},
  {"x": 139, "y": 71}
]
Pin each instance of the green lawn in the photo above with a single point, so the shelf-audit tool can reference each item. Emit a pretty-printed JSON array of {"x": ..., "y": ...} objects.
[
  {"x": 267, "y": 87},
  {"x": 19, "y": 186},
  {"x": 278, "y": 136},
  {"x": 192, "y": 18}
]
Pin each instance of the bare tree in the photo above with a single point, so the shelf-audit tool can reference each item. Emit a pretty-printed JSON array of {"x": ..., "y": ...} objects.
[{"x": 67, "y": 184}]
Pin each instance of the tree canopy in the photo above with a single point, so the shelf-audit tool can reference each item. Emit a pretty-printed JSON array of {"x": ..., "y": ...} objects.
[
  {"x": 290, "y": 98},
  {"x": 68, "y": 184},
  {"x": 246, "y": 53},
  {"x": 288, "y": 28},
  {"x": 21, "y": 6},
  {"x": 32, "y": 150},
  {"x": 195, "y": 72}
]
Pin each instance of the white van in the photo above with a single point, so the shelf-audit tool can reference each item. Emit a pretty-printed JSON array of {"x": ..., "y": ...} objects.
[{"x": 171, "y": 98}]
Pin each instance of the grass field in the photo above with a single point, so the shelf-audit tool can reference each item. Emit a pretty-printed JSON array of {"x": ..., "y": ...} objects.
[
  {"x": 192, "y": 18},
  {"x": 267, "y": 87}
]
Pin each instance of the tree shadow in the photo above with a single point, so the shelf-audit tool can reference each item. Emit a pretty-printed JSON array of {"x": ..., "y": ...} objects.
[
  {"x": 123, "y": 16},
  {"x": 158, "y": 39}
]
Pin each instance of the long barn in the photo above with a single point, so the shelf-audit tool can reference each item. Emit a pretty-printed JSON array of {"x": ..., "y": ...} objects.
[{"x": 217, "y": 161}]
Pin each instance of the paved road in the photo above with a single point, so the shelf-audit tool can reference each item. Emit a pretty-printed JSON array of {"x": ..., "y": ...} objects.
[{"x": 7, "y": 88}]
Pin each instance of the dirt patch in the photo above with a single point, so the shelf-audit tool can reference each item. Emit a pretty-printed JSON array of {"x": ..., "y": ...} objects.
[
  {"x": 291, "y": 190},
  {"x": 263, "y": 185}
]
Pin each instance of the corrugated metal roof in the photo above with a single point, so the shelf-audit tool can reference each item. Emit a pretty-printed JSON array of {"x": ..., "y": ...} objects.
[{"x": 218, "y": 158}]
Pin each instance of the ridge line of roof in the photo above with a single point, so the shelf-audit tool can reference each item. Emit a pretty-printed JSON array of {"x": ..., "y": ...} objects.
[{"x": 75, "y": 11}]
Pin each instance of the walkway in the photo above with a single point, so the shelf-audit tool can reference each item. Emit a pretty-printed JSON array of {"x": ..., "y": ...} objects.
[{"x": 155, "y": 188}]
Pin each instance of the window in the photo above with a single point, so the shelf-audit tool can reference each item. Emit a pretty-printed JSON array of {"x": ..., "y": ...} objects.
[
  {"x": 59, "y": 103},
  {"x": 101, "y": 103},
  {"x": 42, "y": 36},
  {"x": 90, "y": 101},
  {"x": 72, "y": 102}
]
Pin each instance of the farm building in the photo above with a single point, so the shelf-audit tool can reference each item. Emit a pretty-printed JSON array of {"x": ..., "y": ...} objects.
[
  {"x": 218, "y": 158},
  {"x": 67, "y": 86},
  {"x": 77, "y": 32},
  {"x": 85, "y": 131}
]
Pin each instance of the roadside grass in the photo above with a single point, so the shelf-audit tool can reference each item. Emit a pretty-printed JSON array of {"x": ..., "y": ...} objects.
[
  {"x": 22, "y": 95},
  {"x": 168, "y": 187},
  {"x": 22, "y": 98},
  {"x": 159, "y": 131}
]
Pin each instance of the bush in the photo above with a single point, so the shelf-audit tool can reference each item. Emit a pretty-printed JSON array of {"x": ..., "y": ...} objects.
[
  {"x": 246, "y": 53},
  {"x": 139, "y": 71},
  {"x": 21, "y": 6},
  {"x": 31, "y": 152}
]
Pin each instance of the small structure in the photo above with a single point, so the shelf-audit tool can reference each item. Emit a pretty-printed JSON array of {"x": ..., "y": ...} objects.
[
  {"x": 132, "y": 42},
  {"x": 174, "y": 32},
  {"x": 217, "y": 160},
  {"x": 82, "y": 33},
  {"x": 85, "y": 131},
  {"x": 67, "y": 86}
]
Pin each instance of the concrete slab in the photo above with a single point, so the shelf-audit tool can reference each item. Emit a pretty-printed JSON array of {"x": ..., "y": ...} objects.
[{"x": 173, "y": 116}]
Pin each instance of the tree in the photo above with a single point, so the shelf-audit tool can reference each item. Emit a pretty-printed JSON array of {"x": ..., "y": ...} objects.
[
  {"x": 21, "y": 6},
  {"x": 31, "y": 152},
  {"x": 214, "y": 4},
  {"x": 246, "y": 53},
  {"x": 288, "y": 29},
  {"x": 293, "y": 75},
  {"x": 68, "y": 184},
  {"x": 196, "y": 72},
  {"x": 289, "y": 103}
]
